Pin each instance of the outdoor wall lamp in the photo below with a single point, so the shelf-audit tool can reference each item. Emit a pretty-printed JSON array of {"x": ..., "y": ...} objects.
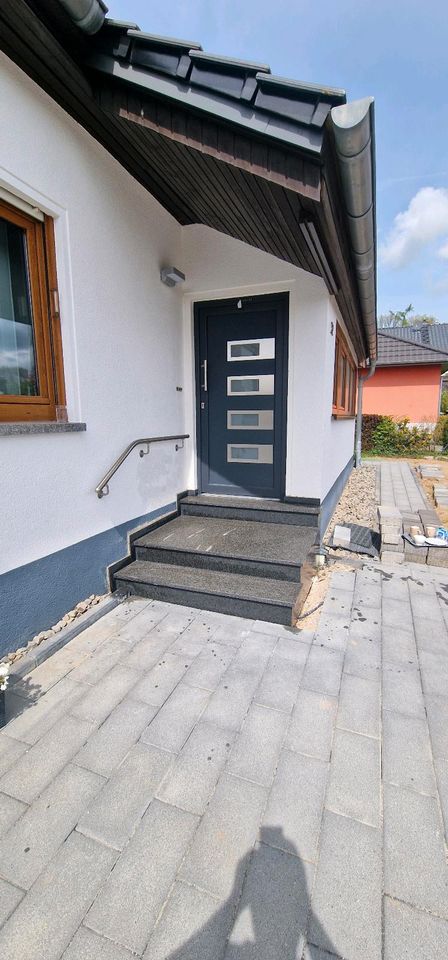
[{"x": 171, "y": 276}]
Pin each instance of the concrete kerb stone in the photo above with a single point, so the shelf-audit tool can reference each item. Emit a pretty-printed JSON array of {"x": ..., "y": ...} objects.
[{"x": 39, "y": 654}]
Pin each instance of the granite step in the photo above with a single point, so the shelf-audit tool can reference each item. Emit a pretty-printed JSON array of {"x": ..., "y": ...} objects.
[
  {"x": 258, "y": 549},
  {"x": 258, "y": 598},
  {"x": 251, "y": 509}
]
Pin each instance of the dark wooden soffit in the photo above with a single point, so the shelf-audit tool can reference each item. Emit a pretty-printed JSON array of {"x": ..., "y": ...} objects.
[
  {"x": 288, "y": 168},
  {"x": 250, "y": 194}
]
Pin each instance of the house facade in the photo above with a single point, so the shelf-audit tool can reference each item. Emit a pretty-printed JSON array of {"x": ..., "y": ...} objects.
[
  {"x": 407, "y": 380},
  {"x": 129, "y": 162}
]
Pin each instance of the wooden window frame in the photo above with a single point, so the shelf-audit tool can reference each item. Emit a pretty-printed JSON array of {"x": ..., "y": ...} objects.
[
  {"x": 345, "y": 379},
  {"x": 50, "y": 404}
]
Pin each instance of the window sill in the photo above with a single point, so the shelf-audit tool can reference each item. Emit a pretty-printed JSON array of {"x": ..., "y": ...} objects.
[
  {"x": 21, "y": 428},
  {"x": 343, "y": 416}
]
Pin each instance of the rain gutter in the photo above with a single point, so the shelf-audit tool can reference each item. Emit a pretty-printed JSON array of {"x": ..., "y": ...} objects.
[
  {"x": 88, "y": 15},
  {"x": 354, "y": 134}
]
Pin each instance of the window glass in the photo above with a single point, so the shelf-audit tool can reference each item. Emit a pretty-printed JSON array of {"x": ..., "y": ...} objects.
[
  {"x": 245, "y": 350},
  {"x": 18, "y": 374}
]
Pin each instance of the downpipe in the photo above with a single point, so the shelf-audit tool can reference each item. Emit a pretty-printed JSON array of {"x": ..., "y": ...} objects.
[{"x": 358, "y": 432}]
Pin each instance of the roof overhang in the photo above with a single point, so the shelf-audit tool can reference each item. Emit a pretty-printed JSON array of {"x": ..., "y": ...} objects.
[{"x": 217, "y": 141}]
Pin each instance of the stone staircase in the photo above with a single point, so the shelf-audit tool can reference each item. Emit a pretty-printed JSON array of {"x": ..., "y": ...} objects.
[{"x": 230, "y": 555}]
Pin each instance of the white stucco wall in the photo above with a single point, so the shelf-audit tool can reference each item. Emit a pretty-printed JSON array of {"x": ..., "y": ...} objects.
[
  {"x": 122, "y": 334},
  {"x": 218, "y": 266},
  {"x": 128, "y": 339}
]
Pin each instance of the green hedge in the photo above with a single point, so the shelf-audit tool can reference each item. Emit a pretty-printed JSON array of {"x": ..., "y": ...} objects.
[{"x": 385, "y": 436}]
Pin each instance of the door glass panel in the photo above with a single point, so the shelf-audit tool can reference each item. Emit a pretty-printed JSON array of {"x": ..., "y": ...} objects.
[
  {"x": 250, "y": 453},
  {"x": 18, "y": 375},
  {"x": 263, "y": 349},
  {"x": 250, "y": 419},
  {"x": 251, "y": 385}
]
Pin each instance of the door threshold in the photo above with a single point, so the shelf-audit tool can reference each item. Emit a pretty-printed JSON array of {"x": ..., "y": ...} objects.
[{"x": 240, "y": 496}]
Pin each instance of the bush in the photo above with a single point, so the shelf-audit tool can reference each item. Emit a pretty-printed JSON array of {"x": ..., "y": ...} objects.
[
  {"x": 369, "y": 422},
  {"x": 385, "y": 436},
  {"x": 444, "y": 402},
  {"x": 441, "y": 431}
]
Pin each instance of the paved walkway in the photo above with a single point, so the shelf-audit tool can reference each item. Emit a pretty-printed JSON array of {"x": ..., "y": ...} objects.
[
  {"x": 186, "y": 786},
  {"x": 399, "y": 487}
]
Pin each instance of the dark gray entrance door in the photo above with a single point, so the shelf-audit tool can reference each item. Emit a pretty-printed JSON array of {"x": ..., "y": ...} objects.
[{"x": 241, "y": 366}]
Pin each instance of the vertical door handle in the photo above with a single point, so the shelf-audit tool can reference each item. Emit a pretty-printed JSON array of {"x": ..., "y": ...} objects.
[{"x": 205, "y": 384}]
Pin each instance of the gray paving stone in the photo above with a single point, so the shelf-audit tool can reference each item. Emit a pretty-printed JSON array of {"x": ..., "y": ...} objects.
[
  {"x": 36, "y": 768},
  {"x": 398, "y": 645},
  {"x": 148, "y": 651},
  {"x": 323, "y": 671},
  {"x": 441, "y": 767},
  {"x": 343, "y": 580},
  {"x": 332, "y": 631},
  {"x": 32, "y": 719},
  {"x": 338, "y": 602},
  {"x": 415, "y": 868},
  {"x": 346, "y": 903},
  {"x": 10, "y": 751},
  {"x": 411, "y": 934},
  {"x": 87, "y": 945},
  {"x": 273, "y": 906},
  {"x": 354, "y": 785},
  {"x": 108, "y": 746},
  {"x": 254, "y": 652},
  {"x": 314, "y": 953},
  {"x": 229, "y": 704},
  {"x": 296, "y": 801},
  {"x": 114, "y": 815},
  {"x": 396, "y": 588},
  {"x": 140, "y": 625},
  {"x": 191, "y": 782},
  {"x": 217, "y": 859},
  {"x": 279, "y": 684},
  {"x": 437, "y": 713},
  {"x": 52, "y": 670},
  {"x": 207, "y": 669},
  {"x": 157, "y": 685},
  {"x": 402, "y": 689},
  {"x": 129, "y": 903},
  {"x": 407, "y": 760},
  {"x": 397, "y": 613},
  {"x": 46, "y": 919},
  {"x": 363, "y": 658},
  {"x": 425, "y": 604},
  {"x": 10, "y": 811},
  {"x": 231, "y": 631},
  {"x": 10, "y": 897},
  {"x": 94, "y": 667},
  {"x": 33, "y": 841},
  {"x": 176, "y": 719},
  {"x": 434, "y": 671},
  {"x": 255, "y": 753},
  {"x": 193, "y": 926},
  {"x": 101, "y": 699},
  {"x": 431, "y": 636},
  {"x": 312, "y": 725},
  {"x": 263, "y": 626},
  {"x": 364, "y": 627},
  {"x": 196, "y": 636},
  {"x": 294, "y": 649},
  {"x": 359, "y": 706}
]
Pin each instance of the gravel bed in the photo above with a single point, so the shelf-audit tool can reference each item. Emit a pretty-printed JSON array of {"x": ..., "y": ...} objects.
[
  {"x": 358, "y": 502},
  {"x": 68, "y": 618}
]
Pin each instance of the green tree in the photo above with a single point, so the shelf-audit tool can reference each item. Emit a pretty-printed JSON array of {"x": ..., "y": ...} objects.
[{"x": 405, "y": 318}]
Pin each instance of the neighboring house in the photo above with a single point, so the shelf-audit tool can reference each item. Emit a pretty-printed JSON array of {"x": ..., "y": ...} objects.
[
  {"x": 407, "y": 379},
  {"x": 433, "y": 335},
  {"x": 123, "y": 154}
]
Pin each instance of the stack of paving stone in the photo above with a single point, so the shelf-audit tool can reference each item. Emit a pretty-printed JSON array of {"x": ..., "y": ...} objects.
[
  {"x": 440, "y": 495},
  {"x": 430, "y": 471},
  {"x": 391, "y": 529}
]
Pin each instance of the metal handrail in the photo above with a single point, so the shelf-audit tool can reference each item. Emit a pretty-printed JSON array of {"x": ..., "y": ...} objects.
[{"x": 102, "y": 489}]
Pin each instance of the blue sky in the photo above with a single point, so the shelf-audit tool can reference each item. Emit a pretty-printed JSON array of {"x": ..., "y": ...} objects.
[{"x": 394, "y": 51}]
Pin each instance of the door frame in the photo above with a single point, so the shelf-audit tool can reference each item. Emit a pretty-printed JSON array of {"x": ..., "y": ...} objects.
[{"x": 281, "y": 302}]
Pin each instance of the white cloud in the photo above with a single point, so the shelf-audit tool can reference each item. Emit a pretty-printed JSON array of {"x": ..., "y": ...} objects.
[
  {"x": 443, "y": 251},
  {"x": 425, "y": 219}
]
